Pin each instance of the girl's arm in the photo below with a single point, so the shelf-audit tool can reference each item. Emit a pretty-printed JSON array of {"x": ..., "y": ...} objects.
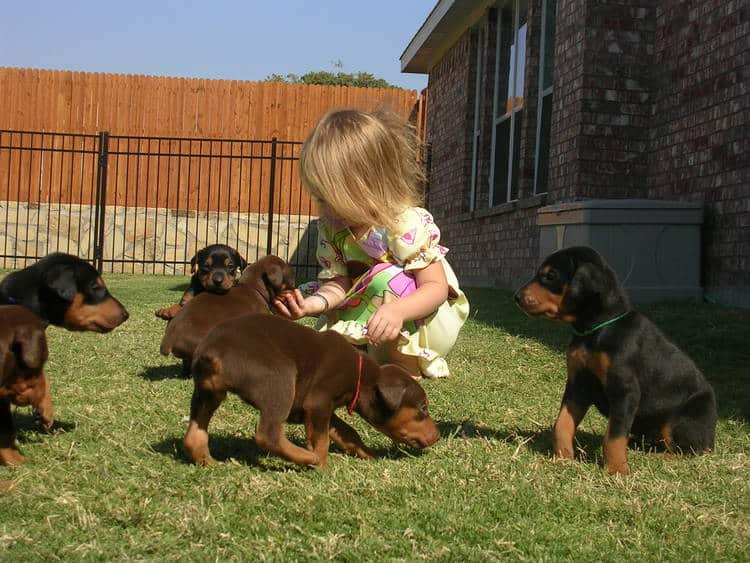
[
  {"x": 294, "y": 306},
  {"x": 432, "y": 291}
]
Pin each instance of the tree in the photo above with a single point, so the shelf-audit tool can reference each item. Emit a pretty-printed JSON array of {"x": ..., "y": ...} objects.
[{"x": 326, "y": 78}]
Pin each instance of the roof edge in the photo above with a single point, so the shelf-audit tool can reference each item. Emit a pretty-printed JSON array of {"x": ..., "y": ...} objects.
[{"x": 447, "y": 21}]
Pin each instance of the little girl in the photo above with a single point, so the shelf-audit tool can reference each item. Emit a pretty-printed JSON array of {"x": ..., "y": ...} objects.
[{"x": 385, "y": 281}]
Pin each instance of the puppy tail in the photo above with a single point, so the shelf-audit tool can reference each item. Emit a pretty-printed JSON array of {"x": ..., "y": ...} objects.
[{"x": 30, "y": 346}]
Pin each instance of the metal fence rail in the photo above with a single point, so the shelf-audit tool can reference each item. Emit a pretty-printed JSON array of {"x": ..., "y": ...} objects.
[{"x": 146, "y": 204}]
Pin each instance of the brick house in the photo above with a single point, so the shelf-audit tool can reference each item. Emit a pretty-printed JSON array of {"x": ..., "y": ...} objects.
[{"x": 534, "y": 103}]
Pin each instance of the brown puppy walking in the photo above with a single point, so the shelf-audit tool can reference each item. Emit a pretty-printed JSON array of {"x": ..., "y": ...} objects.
[{"x": 292, "y": 373}]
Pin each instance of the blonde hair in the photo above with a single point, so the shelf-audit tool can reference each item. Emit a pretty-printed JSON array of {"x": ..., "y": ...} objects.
[{"x": 363, "y": 166}]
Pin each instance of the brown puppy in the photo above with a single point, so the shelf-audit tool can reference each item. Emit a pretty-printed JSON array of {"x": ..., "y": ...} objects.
[
  {"x": 23, "y": 352},
  {"x": 292, "y": 373},
  {"x": 260, "y": 284}
]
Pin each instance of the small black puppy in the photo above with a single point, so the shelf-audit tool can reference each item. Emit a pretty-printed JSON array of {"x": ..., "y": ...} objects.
[
  {"x": 214, "y": 269},
  {"x": 64, "y": 290},
  {"x": 620, "y": 362}
]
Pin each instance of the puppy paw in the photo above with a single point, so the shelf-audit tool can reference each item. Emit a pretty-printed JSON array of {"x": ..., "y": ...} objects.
[
  {"x": 364, "y": 453},
  {"x": 43, "y": 419},
  {"x": 563, "y": 455},
  {"x": 618, "y": 468},
  {"x": 168, "y": 313},
  {"x": 11, "y": 456},
  {"x": 205, "y": 461}
]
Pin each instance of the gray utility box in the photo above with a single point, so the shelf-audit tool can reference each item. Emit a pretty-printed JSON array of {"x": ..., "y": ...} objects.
[{"x": 654, "y": 246}]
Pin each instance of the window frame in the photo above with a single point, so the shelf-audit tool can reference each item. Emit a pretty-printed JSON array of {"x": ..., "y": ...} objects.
[
  {"x": 478, "y": 99},
  {"x": 496, "y": 120}
]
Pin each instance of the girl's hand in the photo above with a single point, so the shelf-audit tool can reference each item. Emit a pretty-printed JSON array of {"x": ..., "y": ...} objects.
[
  {"x": 292, "y": 305},
  {"x": 385, "y": 324}
]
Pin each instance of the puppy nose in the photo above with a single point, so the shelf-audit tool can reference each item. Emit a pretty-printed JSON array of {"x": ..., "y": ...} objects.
[
  {"x": 217, "y": 278},
  {"x": 430, "y": 437},
  {"x": 125, "y": 314},
  {"x": 435, "y": 436},
  {"x": 523, "y": 298}
]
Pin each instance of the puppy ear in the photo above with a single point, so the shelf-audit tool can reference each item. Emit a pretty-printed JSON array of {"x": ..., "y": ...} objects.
[
  {"x": 276, "y": 276},
  {"x": 589, "y": 279},
  {"x": 30, "y": 346},
  {"x": 391, "y": 390},
  {"x": 61, "y": 280}
]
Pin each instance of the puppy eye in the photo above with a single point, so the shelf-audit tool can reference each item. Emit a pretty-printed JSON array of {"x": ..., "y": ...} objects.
[{"x": 548, "y": 276}]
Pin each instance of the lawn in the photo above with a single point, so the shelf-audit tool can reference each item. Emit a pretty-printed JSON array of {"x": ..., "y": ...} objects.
[{"x": 111, "y": 481}]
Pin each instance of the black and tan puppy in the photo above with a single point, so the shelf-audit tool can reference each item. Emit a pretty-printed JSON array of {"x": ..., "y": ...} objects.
[
  {"x": 259, "y": 285},
  {"x": 65, "y": 291},
  {"x": 23, "y": 352},
  {"x": 620, "y": 362},
  {"x": 292, "y": 373},
  {"x": 214, "y": 269}
]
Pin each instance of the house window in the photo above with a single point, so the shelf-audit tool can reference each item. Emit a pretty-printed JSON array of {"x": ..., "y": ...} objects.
[
  {"x": 544, "y": 115},
  {"x": 508, "y": 102},
  {"x": 478, "y": 67}
]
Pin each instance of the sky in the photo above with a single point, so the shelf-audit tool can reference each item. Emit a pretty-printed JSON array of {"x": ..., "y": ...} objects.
[{"x": 229, "y": 39}]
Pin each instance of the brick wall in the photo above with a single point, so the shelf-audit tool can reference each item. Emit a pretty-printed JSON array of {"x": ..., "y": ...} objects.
[
  {"x": 567, "y": 111},
  {"x": 449, "y": 130},
  {"x": 650, "y": 101},
  {"x": 616, "y": 99},
  {"x": 700, "y": 149}
]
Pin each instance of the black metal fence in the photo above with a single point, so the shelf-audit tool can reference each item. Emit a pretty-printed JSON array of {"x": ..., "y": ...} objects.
[{"x": 146, "y": 204}]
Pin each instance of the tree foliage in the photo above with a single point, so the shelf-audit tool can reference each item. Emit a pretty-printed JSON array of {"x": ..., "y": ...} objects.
[{"x": 326, "y": 78}]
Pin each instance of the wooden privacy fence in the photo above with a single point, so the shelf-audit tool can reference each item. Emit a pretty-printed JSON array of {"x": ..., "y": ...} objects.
[{"x": 84, "y": 102}]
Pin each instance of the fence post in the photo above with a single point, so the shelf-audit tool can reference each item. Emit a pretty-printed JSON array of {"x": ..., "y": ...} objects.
[
  {"x": 271, "y": 195},
  {"x": 100, "y": 204}
]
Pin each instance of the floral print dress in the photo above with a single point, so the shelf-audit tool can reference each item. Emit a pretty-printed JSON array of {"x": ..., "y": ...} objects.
[{"x": 380, "y": 264}]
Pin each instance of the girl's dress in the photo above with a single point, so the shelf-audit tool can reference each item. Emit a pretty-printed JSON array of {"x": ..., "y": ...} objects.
[{"x": 379, "y": 264}]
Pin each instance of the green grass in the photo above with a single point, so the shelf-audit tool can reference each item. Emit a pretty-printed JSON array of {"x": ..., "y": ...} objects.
[{"x": 112, "y": 482}]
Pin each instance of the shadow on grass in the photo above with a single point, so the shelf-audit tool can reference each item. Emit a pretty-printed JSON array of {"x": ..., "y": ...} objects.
[
  {"x": 223, "y": 448},
  {"x": 160, "y": 373},
  {"x": 714, "y": 336},
  {"x": 539, "y": 441},
  {"x": 496, "y": 308},
  {"x": 245, "y": 451},
  {"x": 25, "y": 422}
]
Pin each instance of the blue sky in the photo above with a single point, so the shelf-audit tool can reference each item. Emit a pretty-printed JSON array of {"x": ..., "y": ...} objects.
[{"x": 213, "y": 38}]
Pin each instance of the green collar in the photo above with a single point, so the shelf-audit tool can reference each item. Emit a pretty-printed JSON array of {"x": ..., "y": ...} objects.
[{"x": 599, "y": 326}]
